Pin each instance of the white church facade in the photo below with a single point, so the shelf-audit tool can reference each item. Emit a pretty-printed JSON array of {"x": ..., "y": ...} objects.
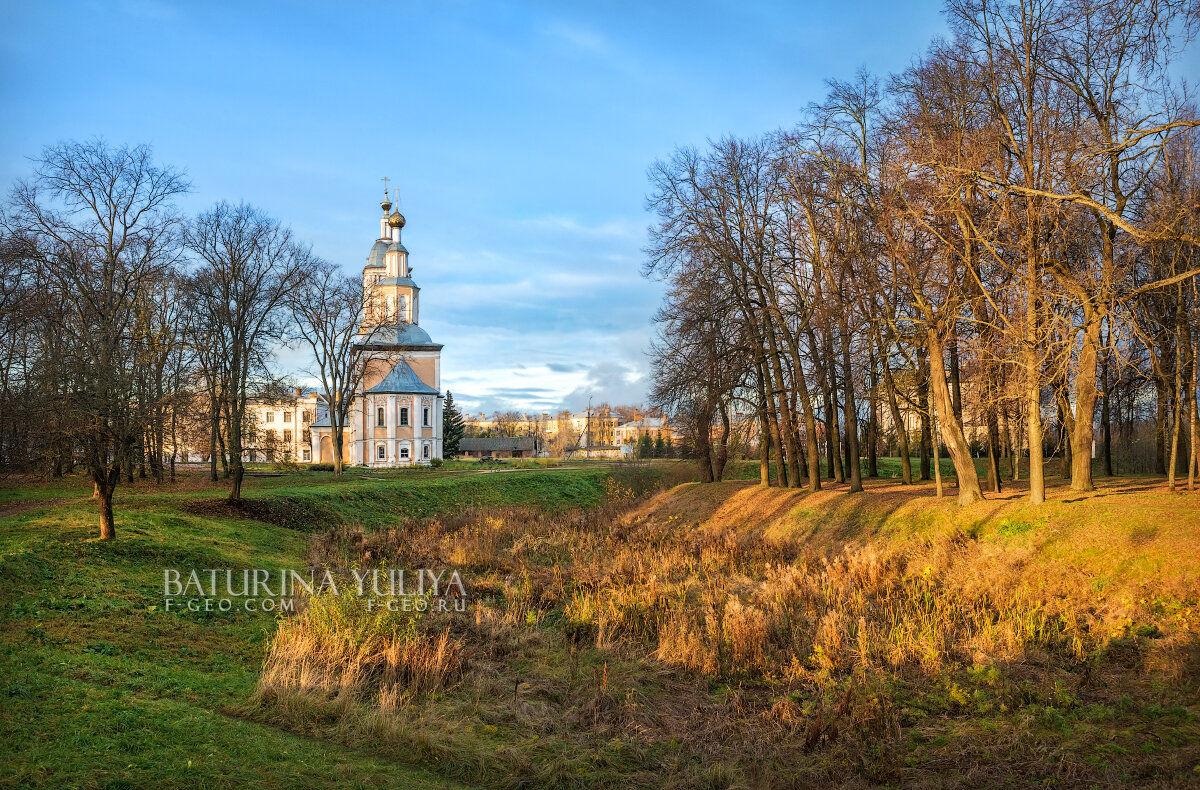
[{"x": 395, "y": 418}]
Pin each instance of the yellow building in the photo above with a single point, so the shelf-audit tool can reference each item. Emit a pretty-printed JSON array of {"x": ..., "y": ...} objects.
[{"x": 395, "y": 418}]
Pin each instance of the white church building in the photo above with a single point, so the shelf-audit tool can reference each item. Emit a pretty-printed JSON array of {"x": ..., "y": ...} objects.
[{"x": 396, "y": 416}]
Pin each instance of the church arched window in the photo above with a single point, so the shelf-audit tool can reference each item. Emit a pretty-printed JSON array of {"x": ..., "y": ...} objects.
[{"x": 404, "y": 453}]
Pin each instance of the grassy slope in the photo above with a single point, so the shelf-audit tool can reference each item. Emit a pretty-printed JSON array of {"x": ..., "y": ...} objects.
[
  {"x": 1129, "y": 532},
  {"x": 101, "y": 688},
  {"x": 551, "y": 703}
]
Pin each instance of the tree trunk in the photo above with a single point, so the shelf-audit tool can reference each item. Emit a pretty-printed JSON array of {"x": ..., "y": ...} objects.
[
  {"x": 1177, "y": 416},
  {"x": 337, "y": 432},
  {"x": 889, "y": 385},
  {"x": 786, "y": 431},
  {"x": 833, "y": 439},
  {"x": 721, "y": 453},
  {"x": 1193, "y": 419},
  {"x": 701, "y": 430},
  {"x": 1033, "y": 392},
  {"x": 1065, "y": 431},
  {"x": 1160, "y": 425},
  {"x": 235, "y": 449},
  {"x": 1085, "y": 405},
  {"x": 106, "y": 483},
  {"x": 1106, "y": 404},
  {"x": 1190, "y": 404},
  {"x": 873, "y": 422},
  {"x": 810, "y": 431},
  {"x": 764, "y": 434},
  {"x": 214, "y": 427},
  {"x": 781, "y": 472},
  {"x": 937, "y": 460},
  {"x": 951, "y": 428},
  {"x": 764, "y": 449},
  {"x": 993, "y": 428},
  {"x": 923, "y": 402},
  {"x": 1012, "y": 437},
  {"x": 955, "y": 379},
  {"x": 850, "y": 411},
  {"x": 141, "y": 454}
]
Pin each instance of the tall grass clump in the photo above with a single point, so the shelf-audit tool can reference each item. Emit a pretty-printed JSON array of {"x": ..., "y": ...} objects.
[{"x": 344, "y": 646}]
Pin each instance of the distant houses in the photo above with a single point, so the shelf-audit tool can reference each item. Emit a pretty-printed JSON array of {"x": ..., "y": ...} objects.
[{"x": 598, "y": 433}]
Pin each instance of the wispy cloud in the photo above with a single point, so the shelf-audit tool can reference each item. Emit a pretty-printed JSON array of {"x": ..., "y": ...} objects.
[
  {"x": 580, "y": 38},
  {"x": 622, "y": 228}
]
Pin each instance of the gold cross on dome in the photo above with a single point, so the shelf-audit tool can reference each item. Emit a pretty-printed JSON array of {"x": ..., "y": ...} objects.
[{"x": 385, "y": 180}]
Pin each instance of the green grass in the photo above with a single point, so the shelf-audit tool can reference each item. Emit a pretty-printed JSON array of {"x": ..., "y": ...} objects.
[
  {"x": 379, "y": 500},
  {"x": 99, "y": 687}
]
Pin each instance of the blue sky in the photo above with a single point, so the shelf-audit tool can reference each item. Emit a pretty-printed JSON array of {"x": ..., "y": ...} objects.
[{"x": 519, "y": 135}]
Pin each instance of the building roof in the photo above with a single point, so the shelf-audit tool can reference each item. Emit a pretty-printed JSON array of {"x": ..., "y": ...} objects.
[
  {"x": 495, "y": 443},
  {"x": 403, "y": 379},
  {"x": 646, "y": 422},
  {"x": 380, "y": 249},
  {"x": 399, "y": 281},
  {"x": 596, "y": 415},
  {"x": 401, "y": 334},
  {"x": 375, "y": 257}
]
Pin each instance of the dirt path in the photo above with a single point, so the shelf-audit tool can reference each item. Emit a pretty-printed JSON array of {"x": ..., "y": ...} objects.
[{"x": 21, "y": 507}]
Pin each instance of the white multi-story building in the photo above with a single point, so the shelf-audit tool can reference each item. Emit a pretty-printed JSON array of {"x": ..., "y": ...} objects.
[{"x": 279, "y": 429}]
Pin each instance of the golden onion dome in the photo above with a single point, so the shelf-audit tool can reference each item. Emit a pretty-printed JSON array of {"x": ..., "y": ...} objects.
[
  {"x": 386, "y": 205},
  {"x": 396, "y": 219}
]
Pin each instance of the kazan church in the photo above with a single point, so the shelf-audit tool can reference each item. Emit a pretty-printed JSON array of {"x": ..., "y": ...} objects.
[{"x": 395, "y": 418}]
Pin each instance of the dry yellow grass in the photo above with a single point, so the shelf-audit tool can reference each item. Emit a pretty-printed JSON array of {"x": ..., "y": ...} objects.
[{"x": 728, "y": 634}]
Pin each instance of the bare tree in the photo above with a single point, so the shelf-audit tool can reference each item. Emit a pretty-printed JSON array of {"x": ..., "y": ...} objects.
[
  {"x": 251, "y": 264},
  {"x": 99, "y": 222},
  {"x": 328, "y": 309}
]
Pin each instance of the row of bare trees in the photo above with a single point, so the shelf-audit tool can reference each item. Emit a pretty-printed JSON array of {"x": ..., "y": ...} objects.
[
  {"x": 129, "y": 331},
  {"x": 999, "y": 238}
]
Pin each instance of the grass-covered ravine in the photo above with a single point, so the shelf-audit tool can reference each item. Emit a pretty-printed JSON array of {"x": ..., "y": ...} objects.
[
  {"x": 100, "y": 687},
  {"x": 623, "y": 628}
]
